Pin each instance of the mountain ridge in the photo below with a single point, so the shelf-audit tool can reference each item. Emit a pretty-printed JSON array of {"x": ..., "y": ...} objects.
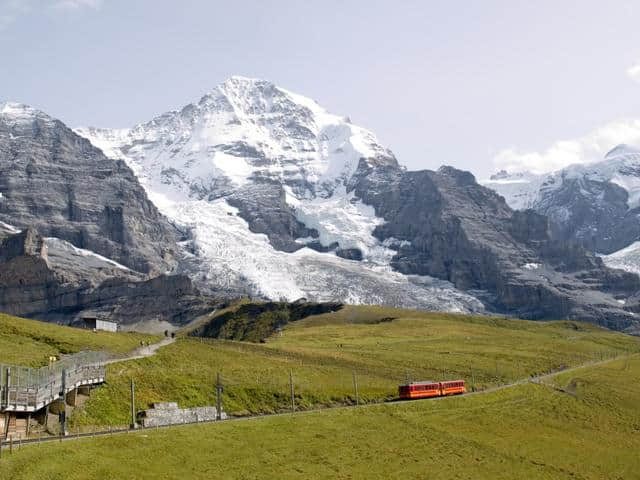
[
  {"x": 417, "y": 228},
  {"x": 595, "y": 205},
  {"x": 268, "y": 195}
]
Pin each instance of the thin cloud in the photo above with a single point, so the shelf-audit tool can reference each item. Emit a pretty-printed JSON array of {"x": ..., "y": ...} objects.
[
  {"x": 586, "y": 149},
  {"x": 634, "y": 73},
  {"x": 12, "y": 11},
  {"x": 5, "y": 21},
  {"x": 77, "y": 4}
]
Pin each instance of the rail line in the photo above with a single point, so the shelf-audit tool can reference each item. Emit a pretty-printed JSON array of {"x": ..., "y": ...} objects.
[{"x": 8, "y": 444}]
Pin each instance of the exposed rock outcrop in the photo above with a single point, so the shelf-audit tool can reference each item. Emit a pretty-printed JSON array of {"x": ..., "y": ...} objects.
[
  {"x": 448, "y": 226},
  {"x": 596, "y": 205},
  {"x": 263, "y": 205},
  {"x": 48, "y": 280},
  {"x": 256, "y": 173},
  {"x": 56, "y": 181}
]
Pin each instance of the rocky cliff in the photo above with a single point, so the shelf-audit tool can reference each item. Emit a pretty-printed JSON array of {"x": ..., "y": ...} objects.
[
  {"x": 595, "y": 205},
  {"x": 56, "y": 181},
  {"x": 50, "y": 279},
  {"x": 287, "y": 200},
  {"x": 446, "y": 225},
  {"x": 281, "y": 200},
  {"x": 79, "y": 235}
]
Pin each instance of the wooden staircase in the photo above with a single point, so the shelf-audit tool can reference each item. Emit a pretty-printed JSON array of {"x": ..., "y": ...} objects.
[{"x": 12, "y": 426}]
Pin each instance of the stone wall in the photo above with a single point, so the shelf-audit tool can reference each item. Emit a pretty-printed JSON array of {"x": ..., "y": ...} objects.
[{"x": 168, "y": 413}]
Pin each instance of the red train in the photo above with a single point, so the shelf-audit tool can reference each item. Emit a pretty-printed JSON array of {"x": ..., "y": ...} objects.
[{"x": 431, "y": 389}]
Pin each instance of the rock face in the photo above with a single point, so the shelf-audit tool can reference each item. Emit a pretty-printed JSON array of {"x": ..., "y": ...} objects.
[
  {"x": 56, "y": 181},
  {"x": 595, "y": 205},
  {"x": 79, "y": 235},
  {"x": 258, "y": 175},
  {"x": 446, "y": 225},
  {"x": 263, "y": 205},
  {"x": 286, "y": 200},
  {"x": 50, "y": 279}
]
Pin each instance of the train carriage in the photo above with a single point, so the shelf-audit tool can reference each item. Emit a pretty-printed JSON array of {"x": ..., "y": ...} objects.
[
  {"x": 454, "y": 387},
  {"x": 420, "y": 390},
  {"x": 431, "y": 389}
]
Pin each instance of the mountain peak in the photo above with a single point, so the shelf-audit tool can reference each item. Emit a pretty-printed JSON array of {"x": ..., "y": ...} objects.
[
  {"x": 20, "y": 113},
  {"x": 621, "y": 150},
  {"x": 245, "y": 128},
  {"x": 15, "y": 109},
  {"x": 253, "y": 96}
]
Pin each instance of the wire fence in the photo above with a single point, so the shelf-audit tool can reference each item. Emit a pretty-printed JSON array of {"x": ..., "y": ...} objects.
[
  {"x": 29, "y": 388},
  {"x": 293, "y": 390}
]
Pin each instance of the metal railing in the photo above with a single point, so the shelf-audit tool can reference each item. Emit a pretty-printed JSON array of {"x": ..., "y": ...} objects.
[{"x": 27, "y": 389}]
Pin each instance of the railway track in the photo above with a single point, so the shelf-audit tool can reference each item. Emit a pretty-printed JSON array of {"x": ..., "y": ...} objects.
[{"x": 124, "y": 431}]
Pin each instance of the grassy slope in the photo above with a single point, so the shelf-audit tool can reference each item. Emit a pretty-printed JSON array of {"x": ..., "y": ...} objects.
[
  {"x": 529, "y": 431},
  {"x": 428, "y": 346},
  {"x": 30, "y": 342}
]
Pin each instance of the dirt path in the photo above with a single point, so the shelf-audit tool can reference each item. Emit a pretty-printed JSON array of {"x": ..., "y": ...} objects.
[
  {"x": 141, "y": 352},
  {"x": 540, "y": 378}
]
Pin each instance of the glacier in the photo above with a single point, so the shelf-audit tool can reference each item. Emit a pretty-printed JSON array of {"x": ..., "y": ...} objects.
[{"x": 190, "y": 161}]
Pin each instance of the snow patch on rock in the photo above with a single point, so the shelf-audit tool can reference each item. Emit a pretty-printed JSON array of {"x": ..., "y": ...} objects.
[
  {"x": 344, "y": 219},
  {"x": 627, "y": 258},
  {"x": 70, "y": 249}
]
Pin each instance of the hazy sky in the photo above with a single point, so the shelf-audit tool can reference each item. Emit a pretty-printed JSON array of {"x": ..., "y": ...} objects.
[{"x": 475, "y": 84}]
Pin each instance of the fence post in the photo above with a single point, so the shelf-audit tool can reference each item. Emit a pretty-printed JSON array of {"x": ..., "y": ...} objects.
[
  {"x": 218, "y": 397},
  {"x": 7, "y": 380},
  {"x": 293, "y": 400},
  {"x": 133, "y": 404},
  {"x": 63, "y": 396},
  {"x": 473, "y": 380},
  {"x": 355, "y": 387}
]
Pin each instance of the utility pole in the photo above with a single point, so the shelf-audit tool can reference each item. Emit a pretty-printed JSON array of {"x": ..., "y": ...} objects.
[
  {"x": 133, "y": 404},
  {"x": 293, "y": 399},
  {"x": 63, "y": 396},
  {"x": 218, "y": 397},
  {"x": 355, "y": 387},
  {"x": 473, "y": 380},
  {"x": 7, "y": 381}
]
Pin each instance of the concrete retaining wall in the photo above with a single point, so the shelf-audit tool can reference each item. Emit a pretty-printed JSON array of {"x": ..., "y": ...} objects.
[{"x": 168, "y": 413}]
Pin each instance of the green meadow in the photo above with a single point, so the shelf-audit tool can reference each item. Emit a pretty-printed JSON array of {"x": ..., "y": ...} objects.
[
  {"x": 582, "y": 424},
  {"x": 381, "y": 347},
  {"x": 31, "y": 343}
]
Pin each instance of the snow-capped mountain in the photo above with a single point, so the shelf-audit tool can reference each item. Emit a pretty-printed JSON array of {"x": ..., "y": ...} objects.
[
  {"x": 282, "y": 199},
  {"x": 596, "y": 204},
  {"x": 243, "y": 129},
  {"x": 206, "y": 165},
  {"x": 269, "y": 195},
  {"x": 520, "y": 189},
  {"x": 78, "y": 234}
]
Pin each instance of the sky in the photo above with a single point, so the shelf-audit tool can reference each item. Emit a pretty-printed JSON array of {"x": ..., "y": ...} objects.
[{"x": 480, "y": 85}]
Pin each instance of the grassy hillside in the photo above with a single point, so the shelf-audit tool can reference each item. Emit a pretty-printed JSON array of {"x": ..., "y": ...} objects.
[
  {"x": 383, "y": 347},
  {"x": 30, "y": 342},
  {"x": 583, "y": 425}
]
